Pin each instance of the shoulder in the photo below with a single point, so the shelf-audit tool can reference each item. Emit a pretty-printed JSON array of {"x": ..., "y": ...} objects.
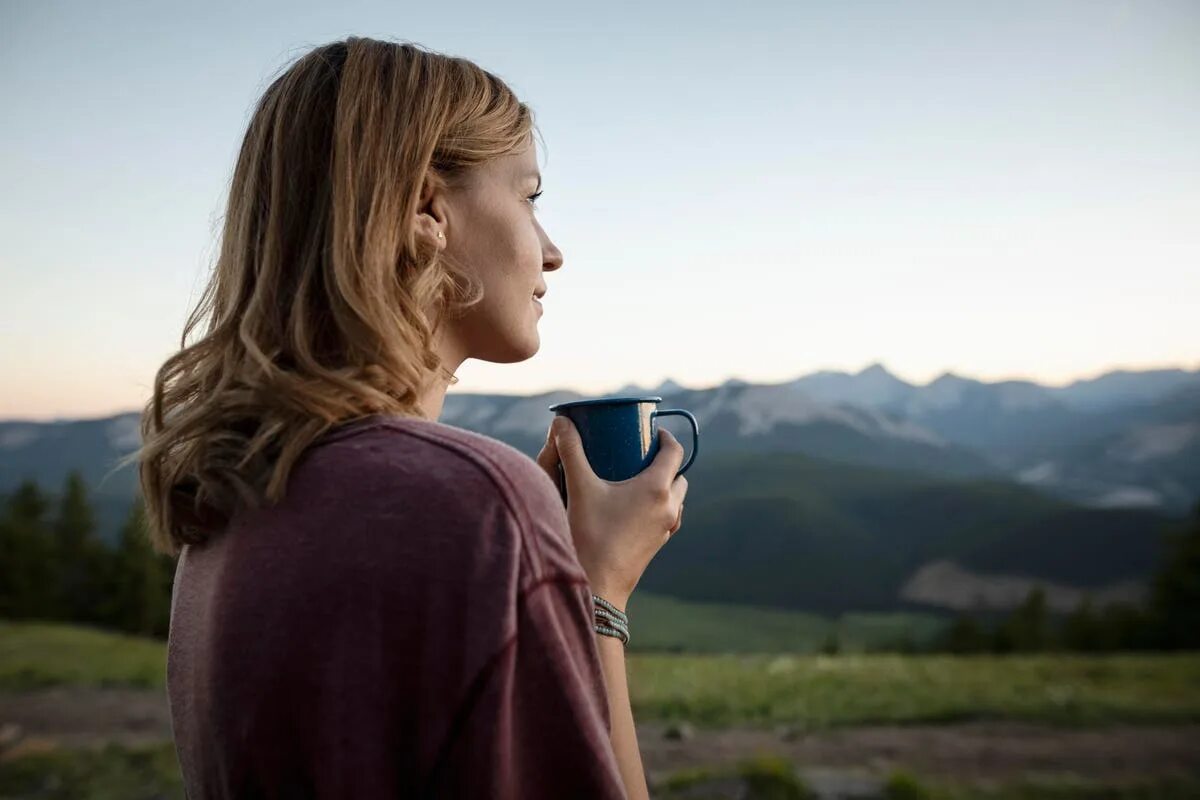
[
  {"x": 438, "y": 458},
  {"x": 468, "y": 474}
]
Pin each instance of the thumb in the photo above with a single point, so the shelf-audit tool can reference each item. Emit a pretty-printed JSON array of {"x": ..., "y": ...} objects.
[{"x": 547, "y": 458}]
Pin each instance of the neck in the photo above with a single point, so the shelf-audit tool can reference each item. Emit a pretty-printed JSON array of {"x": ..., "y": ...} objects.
[
  {"x": 434, "y": 396},
  {"x": 432, "y": 399}
]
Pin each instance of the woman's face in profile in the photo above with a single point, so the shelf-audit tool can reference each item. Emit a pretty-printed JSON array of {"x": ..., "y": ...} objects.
[{"x": 491, "y": 229}]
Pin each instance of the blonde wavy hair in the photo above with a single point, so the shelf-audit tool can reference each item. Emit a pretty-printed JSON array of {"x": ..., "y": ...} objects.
[{"x": 323, "y": 305}]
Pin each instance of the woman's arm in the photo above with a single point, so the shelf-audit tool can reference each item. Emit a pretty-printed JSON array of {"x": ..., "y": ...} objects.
[{"x": 624, "y": 736}]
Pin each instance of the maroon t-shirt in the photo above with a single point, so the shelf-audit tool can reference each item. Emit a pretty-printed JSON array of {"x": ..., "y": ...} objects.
[{"x": 411, "y": 621}]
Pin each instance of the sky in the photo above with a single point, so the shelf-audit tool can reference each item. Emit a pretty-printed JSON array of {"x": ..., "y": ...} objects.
[{"x": 757, "y": 190}]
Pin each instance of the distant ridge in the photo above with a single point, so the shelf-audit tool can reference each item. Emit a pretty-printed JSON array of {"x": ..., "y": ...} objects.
[{"x": 1120, "y": 440}]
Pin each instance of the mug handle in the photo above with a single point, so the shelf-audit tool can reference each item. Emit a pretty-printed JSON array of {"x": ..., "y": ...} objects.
[{"x": 679, "y": 412}]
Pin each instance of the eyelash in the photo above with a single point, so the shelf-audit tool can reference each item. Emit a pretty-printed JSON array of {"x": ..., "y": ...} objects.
[{"x": 533, "y": 199}]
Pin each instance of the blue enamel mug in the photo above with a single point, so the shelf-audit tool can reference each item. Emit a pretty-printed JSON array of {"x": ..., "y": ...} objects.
[{"x": 620, "y": 435}]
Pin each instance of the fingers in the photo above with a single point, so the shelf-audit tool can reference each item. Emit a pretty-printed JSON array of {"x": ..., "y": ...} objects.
[
  {"x": 679, "y": 489},
  {"x": 678, "y": 523},
  {"x": 665, "y": 487},
  {"x": 670, "y": 456},
  {"x": 564, "y": 445}
]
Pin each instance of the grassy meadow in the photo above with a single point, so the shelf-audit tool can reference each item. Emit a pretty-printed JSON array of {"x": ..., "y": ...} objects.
[
  {"x": 797, "y": 690},
  {"x": 830, "y": 691},
  {"x": 152, "y": 773},
  {"x": 812, "y": 691},
  {"x": 40, "y": 655},
  {"x": 659, "y": 623},
  {"x": 111, "y": 772}
]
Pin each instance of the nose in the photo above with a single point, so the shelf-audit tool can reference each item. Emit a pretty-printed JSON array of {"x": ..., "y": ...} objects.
[{"x": 552, "y": 257}]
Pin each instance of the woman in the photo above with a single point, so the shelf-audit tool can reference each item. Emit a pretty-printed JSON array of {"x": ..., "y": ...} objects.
[{"x": 370, "y": 603}]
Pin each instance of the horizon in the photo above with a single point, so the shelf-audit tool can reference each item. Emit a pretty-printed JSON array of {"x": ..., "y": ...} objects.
[
  {"x": 1005, "y": 193},
  {"x": 652, "y": 386}
]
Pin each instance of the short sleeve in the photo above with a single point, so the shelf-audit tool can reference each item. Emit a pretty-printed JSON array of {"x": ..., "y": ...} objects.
[{"x": 536, "y": 724}]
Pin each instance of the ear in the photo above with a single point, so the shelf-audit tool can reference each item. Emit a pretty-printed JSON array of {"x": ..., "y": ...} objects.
[{"x": 430, "y": 215}]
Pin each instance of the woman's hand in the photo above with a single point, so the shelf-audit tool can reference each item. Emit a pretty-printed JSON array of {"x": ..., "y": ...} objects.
[{"x": 617, "y": 526}]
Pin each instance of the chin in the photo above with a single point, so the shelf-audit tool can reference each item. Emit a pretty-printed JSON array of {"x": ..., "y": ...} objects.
[
  {"x": 531, "y": 348},
  {"x": 512, "y": 352}
]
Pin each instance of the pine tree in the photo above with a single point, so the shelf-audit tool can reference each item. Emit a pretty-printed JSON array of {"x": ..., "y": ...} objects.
[
  {"x": 1081, "y": 628},
  {"x": 14, "y": 576},
  {"x": 80, "y": 558},
  {"x": 28, "y": 504},
  {"x": 1125, "y": 626},
  {"x": 965, "y": 635},
  {"x": 26, "y": 556},
  {"x": 1027, "y": 627},
  {"x": 1175, "y": 595},
  {"x": 166, "y": 568},
  {"x": 141, "y": 591}
]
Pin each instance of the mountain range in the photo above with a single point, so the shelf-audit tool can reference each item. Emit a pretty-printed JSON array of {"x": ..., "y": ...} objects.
[
  {"x": 1124, "y": 439},
  {"x": 837, "y": 491}
]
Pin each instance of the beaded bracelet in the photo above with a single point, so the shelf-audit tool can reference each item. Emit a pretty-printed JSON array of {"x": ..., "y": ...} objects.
[
  {"x": 614, "y": 632},
  {"x": 603, "y": 623},
  {"x": 600, "y": 601},
  {"x": 610, "y": 620}
]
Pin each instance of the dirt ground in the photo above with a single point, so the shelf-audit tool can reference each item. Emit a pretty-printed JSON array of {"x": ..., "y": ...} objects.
[{"x": 968, "y": 751}]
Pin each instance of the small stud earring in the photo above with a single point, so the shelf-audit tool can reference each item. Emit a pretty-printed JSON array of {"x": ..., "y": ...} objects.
[{"x": 440, "y": 235}]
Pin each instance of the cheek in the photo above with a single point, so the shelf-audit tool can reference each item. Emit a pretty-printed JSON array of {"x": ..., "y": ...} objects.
[
  {"x": 504, "y": 253},
  {"x": 511, "y": 257}
]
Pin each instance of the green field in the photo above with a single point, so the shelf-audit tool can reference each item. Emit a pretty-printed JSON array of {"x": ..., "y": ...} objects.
[
  {"x": 659, "y": 623},
  {"x": 802, "y": 691},
  {"x": 828, "y": 691},
  {"x": 111, "y": 772},
  {"x": 715, "y": 690},
  {"x": 34, "y": 655}
]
